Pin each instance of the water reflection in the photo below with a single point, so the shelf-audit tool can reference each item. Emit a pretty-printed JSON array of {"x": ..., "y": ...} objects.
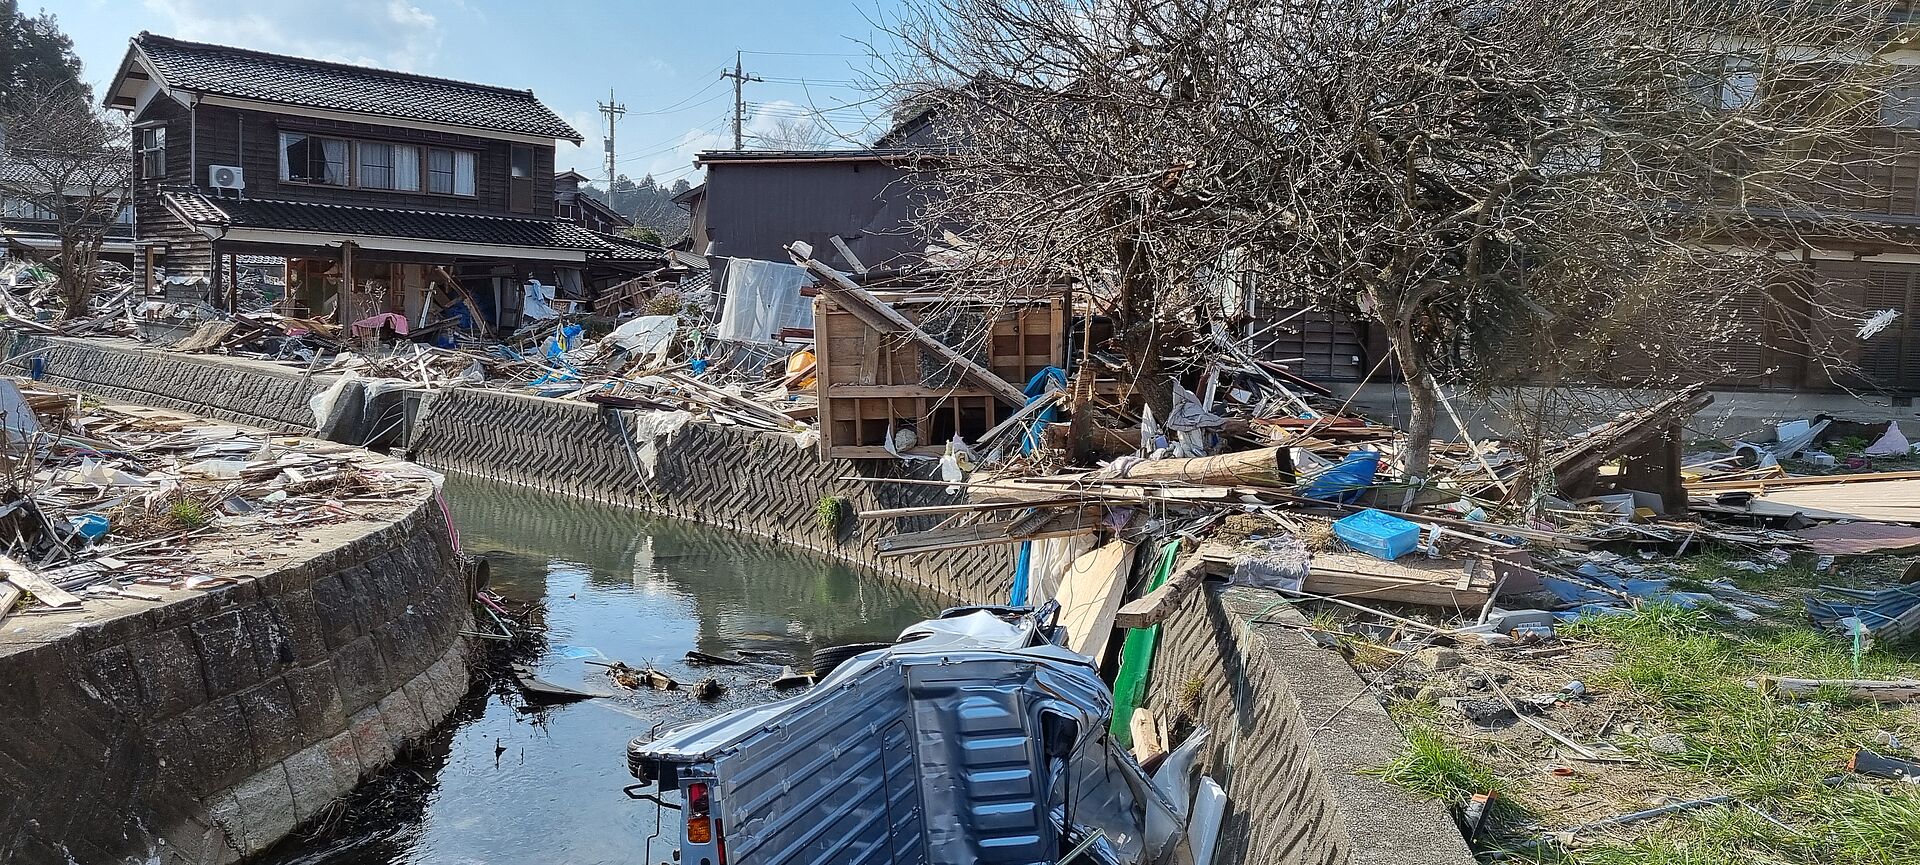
[{"x": 502, "y": 784}]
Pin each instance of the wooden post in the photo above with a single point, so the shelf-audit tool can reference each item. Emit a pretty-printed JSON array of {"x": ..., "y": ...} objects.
[
  {"x": 341, "y": 300},
  {"x": 233, "y": 283}
]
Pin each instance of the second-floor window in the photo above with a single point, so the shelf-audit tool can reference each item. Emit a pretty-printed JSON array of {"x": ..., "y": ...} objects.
[
  {"x": 153, "y": 151},
  {"x": 520, "y": 185},
  {"x": 313, "y": 159},
  {"x": 389, "y": 166},
  {"x": 450, "y": 172},
  {"x": 1901, "y": 104}
]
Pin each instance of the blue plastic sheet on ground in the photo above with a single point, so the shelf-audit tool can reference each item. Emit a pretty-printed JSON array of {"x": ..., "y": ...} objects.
[{"x": 1345, "y": 480}]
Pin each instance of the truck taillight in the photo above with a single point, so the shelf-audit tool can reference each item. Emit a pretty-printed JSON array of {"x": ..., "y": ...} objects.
[{"x": 699, "y": 823}]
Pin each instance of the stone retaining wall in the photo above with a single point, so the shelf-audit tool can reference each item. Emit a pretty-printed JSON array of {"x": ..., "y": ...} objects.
[
  {"x": 1292, "y": 724},
  {"x": 205, "y": 728}
]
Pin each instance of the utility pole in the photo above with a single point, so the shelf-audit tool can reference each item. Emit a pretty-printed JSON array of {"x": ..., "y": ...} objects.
[
  {"x": 612, "y": 110},
  {"x": 739, "y": 77}
]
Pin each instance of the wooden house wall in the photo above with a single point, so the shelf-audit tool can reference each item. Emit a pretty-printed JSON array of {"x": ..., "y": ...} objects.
[
  {"x": 754, "y": 209},
  {"x": 251, "y": 140},
  {"x": 188, "y": 252}
]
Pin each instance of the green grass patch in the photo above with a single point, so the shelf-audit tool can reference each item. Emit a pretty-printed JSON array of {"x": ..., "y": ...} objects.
[
  {"x": 1772, "y": 752},
  {"x": 1432, "y": 767}
]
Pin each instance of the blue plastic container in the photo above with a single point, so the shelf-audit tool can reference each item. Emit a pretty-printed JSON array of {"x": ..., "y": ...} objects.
[
  {"x": 1345, "y": 480},
  {"x": 1381, "y": 535}
]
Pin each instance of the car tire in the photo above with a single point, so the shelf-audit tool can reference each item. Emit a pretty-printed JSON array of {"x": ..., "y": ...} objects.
[{"x": 825, "y": 660}]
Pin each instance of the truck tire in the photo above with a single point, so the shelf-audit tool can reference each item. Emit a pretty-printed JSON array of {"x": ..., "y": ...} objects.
[{"x": 825, "y": 660}]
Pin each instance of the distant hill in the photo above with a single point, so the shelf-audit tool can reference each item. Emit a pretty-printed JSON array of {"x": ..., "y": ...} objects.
[{"x": 648, "y": 204}]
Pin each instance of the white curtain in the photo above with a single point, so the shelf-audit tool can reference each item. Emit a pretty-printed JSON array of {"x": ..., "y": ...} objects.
[
  {"x": 406, "y": 167},
  {"x": 462, "y": 172},
  {"x": 334, "y": 151}
]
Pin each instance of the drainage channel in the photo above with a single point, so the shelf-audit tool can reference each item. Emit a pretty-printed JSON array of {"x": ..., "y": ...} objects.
[{"x": 506, "y": 781}]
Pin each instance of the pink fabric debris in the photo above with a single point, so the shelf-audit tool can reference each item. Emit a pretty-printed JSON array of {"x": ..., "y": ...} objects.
[{"x": 388, "y": 319}]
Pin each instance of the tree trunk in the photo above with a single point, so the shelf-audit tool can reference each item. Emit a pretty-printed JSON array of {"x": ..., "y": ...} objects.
[
  {"x": 77, "y": 258},
  {"x": 1135, "y": 323},
  {"x": 1423, "y": 396}
]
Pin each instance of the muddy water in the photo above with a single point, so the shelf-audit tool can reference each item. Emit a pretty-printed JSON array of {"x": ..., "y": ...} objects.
[{"x": 505, "y": 782}]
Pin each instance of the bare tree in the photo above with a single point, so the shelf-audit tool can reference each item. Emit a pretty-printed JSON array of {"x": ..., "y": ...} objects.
[
  {"x": 795, "y": 132},
  {"x": 71, "y": 161},
  {"x": 1547, "y": 189}
]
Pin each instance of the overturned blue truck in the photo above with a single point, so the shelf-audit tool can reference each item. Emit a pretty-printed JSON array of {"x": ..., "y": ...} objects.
[{"x": 976, "y": 738}]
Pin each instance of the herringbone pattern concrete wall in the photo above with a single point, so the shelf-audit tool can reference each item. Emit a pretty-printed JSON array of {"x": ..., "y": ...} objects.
[{"x": 747, "y": 480}]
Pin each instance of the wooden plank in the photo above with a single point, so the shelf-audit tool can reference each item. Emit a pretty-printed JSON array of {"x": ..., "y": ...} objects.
[
  {"x": 966, "y": 507},
  {"x": 1147, "y": 743},
  {"x": 1157, "y": 605},
  {"x": 1090, "y": 595},
  {"x": 9, "y": 595},
  {"x": 1801, "y": 481},
  {"x": 45, "y": 592}
]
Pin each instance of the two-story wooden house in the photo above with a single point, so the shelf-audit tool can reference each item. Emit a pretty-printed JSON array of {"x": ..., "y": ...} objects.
[
  {"x": 375, "y": 185},
  {"x": 576, "y": 206}
]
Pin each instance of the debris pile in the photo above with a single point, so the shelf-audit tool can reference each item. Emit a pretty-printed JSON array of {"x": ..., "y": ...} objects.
[{"x": 129, "y": 501}]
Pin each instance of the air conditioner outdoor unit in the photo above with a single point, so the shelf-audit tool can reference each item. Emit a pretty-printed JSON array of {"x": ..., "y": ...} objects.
[{"x": 226, "y": 177}]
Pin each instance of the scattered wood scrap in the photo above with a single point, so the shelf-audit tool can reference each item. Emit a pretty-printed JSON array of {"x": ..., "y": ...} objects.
[
  {"x": 1090, "y": 594},
  {"x": 1160, "y": 603}
]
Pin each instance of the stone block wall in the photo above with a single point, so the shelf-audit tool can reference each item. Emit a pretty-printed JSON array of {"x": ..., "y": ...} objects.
[
  {"x": 206, "y": 728},
  {"x": 265, "y": 395}
]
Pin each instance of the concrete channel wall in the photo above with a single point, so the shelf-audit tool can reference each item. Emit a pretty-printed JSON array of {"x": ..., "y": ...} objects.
[
  {"x": 1293, "y": 726},
  {"x": 205, "y": 728}
]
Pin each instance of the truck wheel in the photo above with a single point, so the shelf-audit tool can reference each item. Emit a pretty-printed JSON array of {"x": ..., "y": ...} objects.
[{"x": 824, "y": 660}]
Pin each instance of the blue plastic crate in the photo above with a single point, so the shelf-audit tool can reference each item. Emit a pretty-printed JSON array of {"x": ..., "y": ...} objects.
[{"x": 1378, "y": 534}]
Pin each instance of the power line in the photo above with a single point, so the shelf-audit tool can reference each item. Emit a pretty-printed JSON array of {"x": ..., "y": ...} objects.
[
  {"x": 677, "y": 106},
  {"x": 802, "y": 54}
]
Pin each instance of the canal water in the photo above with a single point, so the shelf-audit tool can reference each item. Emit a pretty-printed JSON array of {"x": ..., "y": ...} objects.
[{"x": 506, "y": 782}]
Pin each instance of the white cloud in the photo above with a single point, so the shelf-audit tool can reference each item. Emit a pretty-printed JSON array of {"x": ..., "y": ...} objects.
[{"x": 392, "y": 34}]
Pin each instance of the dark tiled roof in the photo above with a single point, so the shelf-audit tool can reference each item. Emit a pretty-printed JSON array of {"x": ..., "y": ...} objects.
[
  {"x": 245, "y": 74},
  {"x": 266, "y": 213},
  {"x": 623, "y": 248}
]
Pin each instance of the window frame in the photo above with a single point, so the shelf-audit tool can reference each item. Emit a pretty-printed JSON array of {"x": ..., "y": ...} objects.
[
  {"x": 149, "y": 142},
  {"x": 348, "y": 178},
  {"x": 422, "y": 161}
]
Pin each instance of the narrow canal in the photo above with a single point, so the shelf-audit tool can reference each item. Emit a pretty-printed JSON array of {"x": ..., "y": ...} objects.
[{"x": 505, "y": 782}]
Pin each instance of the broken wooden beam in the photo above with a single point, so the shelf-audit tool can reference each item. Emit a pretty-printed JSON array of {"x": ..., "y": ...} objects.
[
  {"x": 1859, "y": 689},
  {"x": 1257, "y": 467},
  {"x": 1154, "y": 607},
  {"x": 43, "y": 591}
]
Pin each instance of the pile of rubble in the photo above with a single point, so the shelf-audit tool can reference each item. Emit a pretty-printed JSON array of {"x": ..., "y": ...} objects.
[{"x": 122, "y": 501}]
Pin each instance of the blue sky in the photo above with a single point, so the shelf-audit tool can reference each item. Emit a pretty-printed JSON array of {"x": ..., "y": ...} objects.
[{"x": 662, "y": 59}]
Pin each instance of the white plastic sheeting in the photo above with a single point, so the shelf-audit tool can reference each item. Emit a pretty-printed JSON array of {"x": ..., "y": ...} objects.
[
  {"x": 761, "y": 298},
  {"x": 648, "y": 334}
]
